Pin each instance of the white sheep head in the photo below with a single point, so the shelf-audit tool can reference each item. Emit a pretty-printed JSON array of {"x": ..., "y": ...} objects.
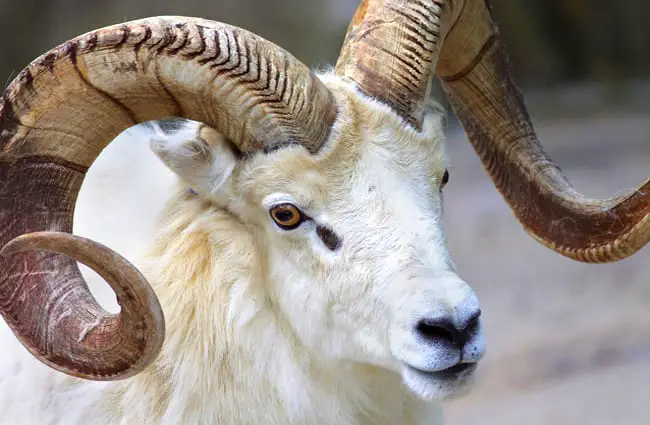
[
  {"x": 351, "y": 239},
  {"x": 355, "y": 151}
]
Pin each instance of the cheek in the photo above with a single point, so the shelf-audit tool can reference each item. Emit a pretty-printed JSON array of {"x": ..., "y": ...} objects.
[
  {"x": 360, "y": 320},
  {"x": 359, "y": 301},
  {"x": 339, "y": 289}
]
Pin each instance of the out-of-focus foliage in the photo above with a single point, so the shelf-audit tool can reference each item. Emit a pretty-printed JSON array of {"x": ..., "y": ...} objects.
[
  {"x": 558, "y": 40},
  {"x": 550, "y": 41},
  {"x": 311, "y": 30}
]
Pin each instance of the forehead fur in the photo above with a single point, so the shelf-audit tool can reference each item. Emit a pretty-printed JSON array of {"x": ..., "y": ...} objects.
[{"x": 365, "y": 132}]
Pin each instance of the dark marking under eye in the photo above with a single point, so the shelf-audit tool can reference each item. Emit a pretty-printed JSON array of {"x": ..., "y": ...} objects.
[{"x": 329, "y": 238}]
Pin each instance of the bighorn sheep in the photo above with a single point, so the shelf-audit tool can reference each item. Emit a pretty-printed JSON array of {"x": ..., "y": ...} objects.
[{"x": 305, "y": 278}]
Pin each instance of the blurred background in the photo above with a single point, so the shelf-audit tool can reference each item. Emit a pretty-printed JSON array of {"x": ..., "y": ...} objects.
[{"x": 567, "y": 342}]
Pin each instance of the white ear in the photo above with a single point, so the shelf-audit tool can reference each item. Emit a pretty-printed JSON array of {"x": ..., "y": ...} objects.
[{"x": 198, "y": 154}]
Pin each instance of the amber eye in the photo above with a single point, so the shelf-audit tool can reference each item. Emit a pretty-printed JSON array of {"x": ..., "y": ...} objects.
[
  {"x": 445, "y": 179},
  {"x": 287, "y": 216}
]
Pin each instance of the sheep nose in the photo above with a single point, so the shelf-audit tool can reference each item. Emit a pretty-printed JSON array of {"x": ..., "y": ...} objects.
[{"x": 446, "y": 329}]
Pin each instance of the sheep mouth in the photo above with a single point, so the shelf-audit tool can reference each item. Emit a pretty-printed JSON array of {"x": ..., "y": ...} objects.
[{"x": 457, "y": 371}]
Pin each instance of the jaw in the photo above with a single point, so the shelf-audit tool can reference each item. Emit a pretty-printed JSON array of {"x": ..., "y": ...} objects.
[{"x": 439, "y": 386}]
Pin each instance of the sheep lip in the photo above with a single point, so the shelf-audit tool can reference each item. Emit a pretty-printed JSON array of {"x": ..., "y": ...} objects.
[{"x": 453, "y": 372}]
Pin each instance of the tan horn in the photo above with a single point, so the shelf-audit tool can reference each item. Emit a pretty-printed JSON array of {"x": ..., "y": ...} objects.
[
  {"x": 390, "y": 50},
  {"x": 55, "y": 119},
  {"x": 473, "y": 67}
]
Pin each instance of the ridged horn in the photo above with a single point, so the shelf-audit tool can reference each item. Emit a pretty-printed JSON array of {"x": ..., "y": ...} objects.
[
  {"x": 390, "y": 50},
  {"x": 55, "y": 119},
  {"x": 385, "y": 48}
]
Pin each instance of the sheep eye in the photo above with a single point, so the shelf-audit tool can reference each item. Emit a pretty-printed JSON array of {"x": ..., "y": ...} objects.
[
  {"x": 287, "y": 216},
  {"x": 445, "y": 179}
]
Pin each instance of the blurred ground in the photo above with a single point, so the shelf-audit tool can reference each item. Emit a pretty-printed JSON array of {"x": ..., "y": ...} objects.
[{"x": 568, "y": 343}]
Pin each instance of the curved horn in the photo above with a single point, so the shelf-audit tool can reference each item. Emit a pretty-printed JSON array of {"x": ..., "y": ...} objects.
[
  {"x": 55, "y": 119},
  {"x": 473, "y": 67},
  {"x": 390, "y": 50}
]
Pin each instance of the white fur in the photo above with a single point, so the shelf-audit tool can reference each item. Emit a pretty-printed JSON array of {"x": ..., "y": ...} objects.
[{"x": 266, "y": 326}]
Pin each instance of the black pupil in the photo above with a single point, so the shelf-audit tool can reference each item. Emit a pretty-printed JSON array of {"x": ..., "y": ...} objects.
[
  {"x": 445, "y": 177},
  {"x": 284, "y": 215}
]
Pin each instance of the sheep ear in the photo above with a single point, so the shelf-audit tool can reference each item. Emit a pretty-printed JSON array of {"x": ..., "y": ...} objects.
[{"x": 201, "y": 156}]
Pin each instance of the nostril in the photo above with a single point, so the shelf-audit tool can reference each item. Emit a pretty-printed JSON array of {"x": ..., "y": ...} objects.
[
  {"x": 435, "y": 330},
  {"x": 440, "y": 329}
]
